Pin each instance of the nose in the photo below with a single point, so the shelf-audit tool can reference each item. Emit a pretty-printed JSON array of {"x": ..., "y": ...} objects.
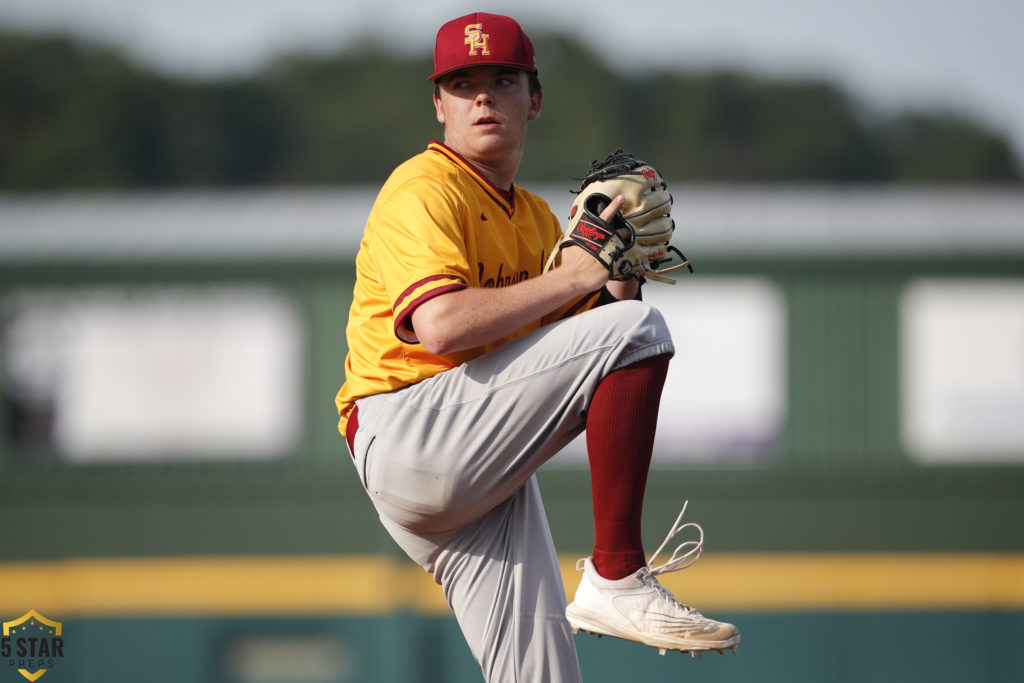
[{"x": 483, "y": 96}]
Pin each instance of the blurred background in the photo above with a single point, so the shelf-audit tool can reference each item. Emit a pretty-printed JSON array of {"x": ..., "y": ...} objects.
[{"x": 183, "y": 186}]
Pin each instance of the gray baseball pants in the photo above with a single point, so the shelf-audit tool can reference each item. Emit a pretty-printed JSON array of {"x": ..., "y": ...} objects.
[{"x": 450, "y": 465}]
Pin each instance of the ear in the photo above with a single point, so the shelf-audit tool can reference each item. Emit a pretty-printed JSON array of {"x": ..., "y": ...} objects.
[
  {"x": 439, "y": 108},
  {"x": 535, "y": 101}
]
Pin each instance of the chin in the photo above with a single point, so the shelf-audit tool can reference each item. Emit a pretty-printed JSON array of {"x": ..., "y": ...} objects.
[{"x": 495, "y": 144}]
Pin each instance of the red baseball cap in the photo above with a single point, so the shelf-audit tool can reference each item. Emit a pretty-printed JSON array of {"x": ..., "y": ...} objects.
[{"x": 479, "y": 39}]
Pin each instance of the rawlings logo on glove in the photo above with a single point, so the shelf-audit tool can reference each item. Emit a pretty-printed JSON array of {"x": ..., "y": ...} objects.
[
  {"x": 592, "y": 234},
  {"x": 636, "y": 242}
]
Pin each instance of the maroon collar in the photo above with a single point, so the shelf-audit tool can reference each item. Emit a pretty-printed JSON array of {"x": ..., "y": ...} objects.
[{"x": 504, "y": 198}]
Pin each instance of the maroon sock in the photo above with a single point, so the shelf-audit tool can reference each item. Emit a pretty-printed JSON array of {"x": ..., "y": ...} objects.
[{"x": 620, "y": 439}]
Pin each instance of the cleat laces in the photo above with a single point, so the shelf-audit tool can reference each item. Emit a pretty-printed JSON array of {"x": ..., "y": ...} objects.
[{"x": 684, "y": 555}]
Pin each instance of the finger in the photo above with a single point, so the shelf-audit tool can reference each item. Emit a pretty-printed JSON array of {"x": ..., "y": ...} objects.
[{"x": 613, "y": 208}]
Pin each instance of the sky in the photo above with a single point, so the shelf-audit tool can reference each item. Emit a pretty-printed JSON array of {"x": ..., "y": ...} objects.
[{"x": 963, "y": 55}]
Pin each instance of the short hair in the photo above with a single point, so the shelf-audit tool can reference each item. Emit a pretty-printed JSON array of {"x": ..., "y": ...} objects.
[{"x": 534, "y": 82}]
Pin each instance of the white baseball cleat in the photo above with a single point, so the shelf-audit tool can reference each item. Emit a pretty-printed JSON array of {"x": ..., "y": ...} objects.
[{"x": 640, "y": 609}]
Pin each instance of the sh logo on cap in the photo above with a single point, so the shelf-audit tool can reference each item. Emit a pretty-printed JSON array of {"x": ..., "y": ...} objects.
[{"x": 477, "y": 39}]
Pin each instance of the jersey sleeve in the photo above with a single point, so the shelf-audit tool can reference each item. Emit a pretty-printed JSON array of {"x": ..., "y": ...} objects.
[{"x": 419, "y": 248}]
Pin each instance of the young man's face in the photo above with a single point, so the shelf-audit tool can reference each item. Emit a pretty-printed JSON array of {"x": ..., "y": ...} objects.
[{"x": 485, "y": 110}]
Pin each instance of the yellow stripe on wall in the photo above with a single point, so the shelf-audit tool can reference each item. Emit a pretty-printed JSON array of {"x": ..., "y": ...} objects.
[{"x": 376, "y": 584}]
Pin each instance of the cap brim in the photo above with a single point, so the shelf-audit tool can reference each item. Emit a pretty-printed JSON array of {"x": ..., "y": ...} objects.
[{"x": 436, "y": 75}]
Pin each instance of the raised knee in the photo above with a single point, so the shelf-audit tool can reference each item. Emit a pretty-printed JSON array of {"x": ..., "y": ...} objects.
[{"x": 646, "y": 322}]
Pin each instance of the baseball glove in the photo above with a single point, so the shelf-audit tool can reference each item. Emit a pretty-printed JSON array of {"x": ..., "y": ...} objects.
[{"x": 636, "y": 241}]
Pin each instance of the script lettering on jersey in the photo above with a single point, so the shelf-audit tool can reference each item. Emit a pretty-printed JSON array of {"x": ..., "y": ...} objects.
[
  {"x": 501, "y": 279},
  {"x": 477, "y": 39}
]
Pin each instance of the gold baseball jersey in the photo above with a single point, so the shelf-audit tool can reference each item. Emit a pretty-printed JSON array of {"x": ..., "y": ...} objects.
[{"x": 437, "y": 226}]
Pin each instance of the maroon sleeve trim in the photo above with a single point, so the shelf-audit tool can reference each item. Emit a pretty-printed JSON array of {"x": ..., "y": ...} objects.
[
  {"x": 400, "y": 301},
  {"x": 403, "y": 322}
]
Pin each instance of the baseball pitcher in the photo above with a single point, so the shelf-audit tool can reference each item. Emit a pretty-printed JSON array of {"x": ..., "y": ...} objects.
[{"x": 482, "y": 340}]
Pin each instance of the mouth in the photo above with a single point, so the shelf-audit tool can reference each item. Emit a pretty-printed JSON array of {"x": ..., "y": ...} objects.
[{"x": 487, "y": 121}]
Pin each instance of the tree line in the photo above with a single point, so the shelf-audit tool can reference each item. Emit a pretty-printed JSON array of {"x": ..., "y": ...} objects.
[{"x": 75, "y": 115}]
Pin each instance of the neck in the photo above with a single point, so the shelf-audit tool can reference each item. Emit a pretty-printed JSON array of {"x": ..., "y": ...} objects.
[
  {"x": 501, "y": 178},
  {"x": 499, "y": 169}
]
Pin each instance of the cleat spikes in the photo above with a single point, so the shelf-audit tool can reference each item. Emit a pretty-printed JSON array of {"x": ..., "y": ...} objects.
[
  {"x": 661, "y": 651},
  {"x": 695, "y": 654}
]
